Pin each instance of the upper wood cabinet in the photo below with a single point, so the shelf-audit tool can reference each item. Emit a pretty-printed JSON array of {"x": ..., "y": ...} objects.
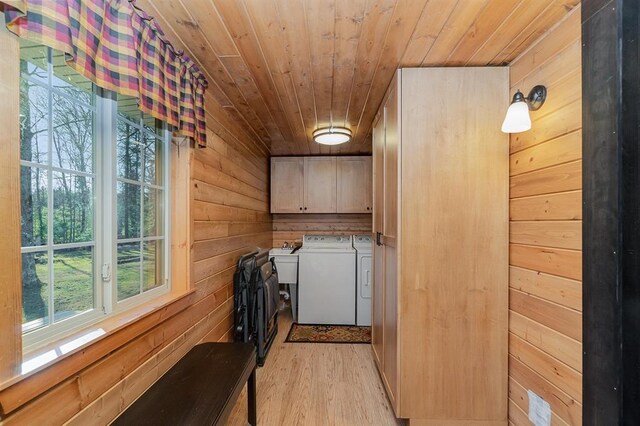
[
  {"x": 354, "y": 185},
  {"x": 321, "y": 185},
  {"x": 287, "y": 185}
]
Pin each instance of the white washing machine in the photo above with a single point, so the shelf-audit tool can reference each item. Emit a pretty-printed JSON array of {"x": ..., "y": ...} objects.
[
  {"x": 363, "y": 245},
  {"x": 326, "y": 280}
]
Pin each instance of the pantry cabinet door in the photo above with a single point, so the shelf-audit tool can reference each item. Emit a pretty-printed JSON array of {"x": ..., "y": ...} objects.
[
  {"x": 377, "y": 301},
  {"x": 287, "y": 185},
  {"x": 391, "y": 190},
  {"x": 320, "y": 185},
  {"x": 354, "y": 185}
]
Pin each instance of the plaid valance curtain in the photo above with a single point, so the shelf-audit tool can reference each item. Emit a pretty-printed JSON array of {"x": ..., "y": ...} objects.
[{"x": 119, "y": 47}]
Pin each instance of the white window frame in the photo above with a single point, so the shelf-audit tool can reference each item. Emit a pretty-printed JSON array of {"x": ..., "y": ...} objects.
[
  {"x": 110, "y": 246},
  {"x": 104, "y": 241}
]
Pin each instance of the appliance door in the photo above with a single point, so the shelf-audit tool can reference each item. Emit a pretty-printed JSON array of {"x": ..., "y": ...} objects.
[
  {"x": 364, "y": 289},
  {"x": 326, "y": 287}
]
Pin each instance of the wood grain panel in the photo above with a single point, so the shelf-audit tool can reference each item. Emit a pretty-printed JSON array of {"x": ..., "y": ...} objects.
[
  {"x": 266, "y": 26},
  {"x": 547, "y": 127},
  {"x": 545, "y": 271},
  {"x": 254, "y": 65},
  {"x": 556, "y": 344},
  {"x": 291, "y": 228},
  {"x": 553, "y": 370},
  {"x": 557, "y": 317},
  {"x": 565, "y": 263},
  {"x": 558, "y": 206},
  {"x": 552, "y": 14},
  {"x": 285, "y": 67},
  {"x": 562, "y": 291},
  {"x": 10, "y": 257},
  {"x": 458, "y": 24},
  {"x": 559, "y": 234},
  {"x": 350, "y": 16},
  {"x": 563, "y": 405},
  {"x": 443, "y": 286},
  {"x": 566, "y": 148},
  {"x": 564, "y": 177},
  {"x": 565, "y": 33},
  {"x": 493, "y": 15},
  {"x": 518, "y": 395},
  {"x": 506, "y": 32}
]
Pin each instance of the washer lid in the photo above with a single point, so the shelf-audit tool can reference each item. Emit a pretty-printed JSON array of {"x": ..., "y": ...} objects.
[
  {"x": 327, "y": 241},
  {"x": 363, "y": 242}
]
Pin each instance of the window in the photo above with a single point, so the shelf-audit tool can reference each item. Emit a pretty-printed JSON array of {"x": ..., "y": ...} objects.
[{"x": 94, "y": 179}]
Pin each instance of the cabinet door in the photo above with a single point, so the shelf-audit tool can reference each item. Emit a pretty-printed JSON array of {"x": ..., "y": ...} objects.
[
  {"x": 287, "y": 187},
  {"x": 390, "y": 242},
  {"x": 377, "y": 302},
  {"x": 320, "y": 185},
  {"x": 354, "y": 184}
]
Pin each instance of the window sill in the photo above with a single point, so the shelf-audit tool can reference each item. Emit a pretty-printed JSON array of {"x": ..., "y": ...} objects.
[{"x": 63, "y": 358}]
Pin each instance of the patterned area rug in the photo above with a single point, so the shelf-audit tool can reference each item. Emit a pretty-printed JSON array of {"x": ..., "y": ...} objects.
[{"x": 304, "y": 333}]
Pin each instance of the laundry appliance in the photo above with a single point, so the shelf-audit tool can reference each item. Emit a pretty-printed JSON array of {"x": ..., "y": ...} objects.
[{"x": 326, "y": 280}]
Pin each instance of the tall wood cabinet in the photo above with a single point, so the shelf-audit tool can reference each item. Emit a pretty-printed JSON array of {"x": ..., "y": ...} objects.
[{"x": 440, "y": 215}]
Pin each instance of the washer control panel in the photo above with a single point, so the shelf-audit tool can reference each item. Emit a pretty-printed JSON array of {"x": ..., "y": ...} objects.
[
  {"x": 362, "y": 241},
  {"x": 327, "y": 241}
]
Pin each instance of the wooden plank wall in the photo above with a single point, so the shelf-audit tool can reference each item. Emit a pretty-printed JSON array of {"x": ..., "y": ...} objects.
[
  {"x": 292, "y": 227},
  {"x": 545, "y": 317},
  {"x": 230, "y": 216}
]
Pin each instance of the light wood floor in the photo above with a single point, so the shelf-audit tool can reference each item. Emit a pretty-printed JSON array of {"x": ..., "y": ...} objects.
[{"x": 317, "y": 384}]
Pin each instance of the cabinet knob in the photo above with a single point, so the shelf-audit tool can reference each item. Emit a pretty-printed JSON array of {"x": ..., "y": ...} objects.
[
  {"x": 300, "y": 208},
  {"x": 305, "y": 208}
]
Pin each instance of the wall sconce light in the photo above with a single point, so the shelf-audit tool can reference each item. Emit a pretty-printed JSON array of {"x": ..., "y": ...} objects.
[
  {"x": 517, "y": 119},
  {"x": 332, "y": 135}
]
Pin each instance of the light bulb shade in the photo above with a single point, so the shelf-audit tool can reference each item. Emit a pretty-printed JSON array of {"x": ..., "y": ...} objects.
[
  {"x": 332, "y": 135},
  {"x": 517, "y": 119}
]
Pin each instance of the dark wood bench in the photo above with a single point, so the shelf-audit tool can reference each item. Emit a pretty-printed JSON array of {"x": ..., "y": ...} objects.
[{"x": 201, "y": 389}]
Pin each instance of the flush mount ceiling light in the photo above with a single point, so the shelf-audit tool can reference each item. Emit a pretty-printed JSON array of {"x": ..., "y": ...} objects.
[
  {"x": 332, "y": 135},
  {"x": 517, "y": 119}
]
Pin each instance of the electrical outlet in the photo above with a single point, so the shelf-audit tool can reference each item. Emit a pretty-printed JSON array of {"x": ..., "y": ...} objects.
[{"x": 539, "y": 410}]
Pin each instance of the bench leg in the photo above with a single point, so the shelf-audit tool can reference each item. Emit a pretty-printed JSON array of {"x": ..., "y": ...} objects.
[{"x": 251, "y": 398}]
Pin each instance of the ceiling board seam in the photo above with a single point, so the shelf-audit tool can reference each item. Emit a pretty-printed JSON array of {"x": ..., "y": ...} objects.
[
  {"x": 253, "y": 79},
  {"x": 248, "y": 68},
  {"x": 462, "y": 37},
  {"x": 439, "y": 32},
  {"x": 228, "y": 75},
  {"x": 266, "y": 63},
  {"x": 539, "y": 40},
  {"x": 226, "y": 30},
  {"x": 231, "y": 133},
  {"x": 313, "y": 87},
  {"x": 333, "y": 149},
  {"x": 373, "y": 77},
  {"x": 550, "y": 6},
  {"x": 203, "y": 69},
  {"x": 490, "y": 38},
  {"x": 378, "y": 67},
  {"x": 293, "y": 85},
  {"x": 353, "y": 76}
]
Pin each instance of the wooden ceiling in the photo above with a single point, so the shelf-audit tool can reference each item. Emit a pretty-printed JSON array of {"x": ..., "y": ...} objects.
[{"x": 286, "y": 67}]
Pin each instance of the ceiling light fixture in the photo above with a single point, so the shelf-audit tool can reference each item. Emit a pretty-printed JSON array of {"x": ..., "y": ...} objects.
[
  {"x": 517, "y": 119},
  {"x": 332, "y": 135}
]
